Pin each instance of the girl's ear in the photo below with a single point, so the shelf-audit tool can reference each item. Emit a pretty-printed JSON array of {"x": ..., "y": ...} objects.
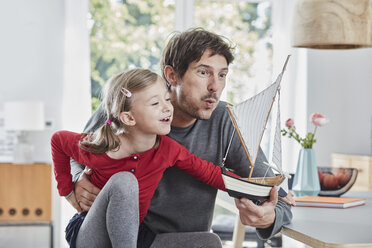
[
  {"x": 170, "y": 74},
  {"x": 127, "y": 118}
]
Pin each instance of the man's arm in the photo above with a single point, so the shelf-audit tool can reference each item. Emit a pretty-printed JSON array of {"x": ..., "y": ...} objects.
[
  {"x": 85, "y": 191},
  {"x": 76, "y": 170}
]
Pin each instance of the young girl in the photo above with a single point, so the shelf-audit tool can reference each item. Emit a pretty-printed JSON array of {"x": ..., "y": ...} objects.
[{"x": 128, "y": 156}]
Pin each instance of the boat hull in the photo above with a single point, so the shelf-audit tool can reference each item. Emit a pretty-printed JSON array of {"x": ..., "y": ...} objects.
[{"x": 239, "y": 187}]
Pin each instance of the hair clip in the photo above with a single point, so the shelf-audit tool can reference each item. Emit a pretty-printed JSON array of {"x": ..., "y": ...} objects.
[
  {"x": 108, "y": 122},
  {"x": 126, "y": 92}
]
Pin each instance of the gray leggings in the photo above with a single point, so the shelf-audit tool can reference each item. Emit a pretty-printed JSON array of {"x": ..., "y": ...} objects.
[{"x": 113, "y": 221}]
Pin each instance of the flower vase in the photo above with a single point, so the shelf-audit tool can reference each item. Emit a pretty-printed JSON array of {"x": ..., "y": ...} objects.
[{"x": 306, "y": 179}]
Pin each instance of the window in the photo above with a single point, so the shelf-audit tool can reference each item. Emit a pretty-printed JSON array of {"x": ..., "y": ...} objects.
[
  {"x": 132, "y": 33},
  {"x": 126, "y": 34},
  {"x": 248, "y": 25}
]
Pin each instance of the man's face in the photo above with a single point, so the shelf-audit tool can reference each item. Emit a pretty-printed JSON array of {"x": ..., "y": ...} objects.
[{"x": 197, "y": 93}]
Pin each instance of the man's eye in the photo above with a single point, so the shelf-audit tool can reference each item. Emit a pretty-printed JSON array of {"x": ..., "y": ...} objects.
[
  {"x": 155, "y": 103},
  {"x": 223, "y": 75},
  {"x": 168, "y": 99},
  {"x": 204, "y": 72}
]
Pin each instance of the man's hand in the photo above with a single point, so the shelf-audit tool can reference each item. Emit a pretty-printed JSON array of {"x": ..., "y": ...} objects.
[
  {"x": 262, "y": 216},
  {"x": 85, "y": 191},
  {"x": 72, "y": 200}
]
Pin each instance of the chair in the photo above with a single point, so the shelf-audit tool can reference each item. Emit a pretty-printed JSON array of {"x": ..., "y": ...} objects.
[
  {"x": 228, "y": 227},
  {"x": 223, "y": 226}
]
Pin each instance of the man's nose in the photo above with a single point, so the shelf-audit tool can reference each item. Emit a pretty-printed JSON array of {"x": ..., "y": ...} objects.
[{"x": 212, "y": 84}]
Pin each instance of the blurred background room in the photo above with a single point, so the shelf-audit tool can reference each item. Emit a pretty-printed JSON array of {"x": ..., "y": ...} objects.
[{"x": 58, "y": 54}]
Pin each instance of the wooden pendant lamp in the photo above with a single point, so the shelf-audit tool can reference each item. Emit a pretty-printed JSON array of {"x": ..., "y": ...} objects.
[{"x": 332, "y": 24}]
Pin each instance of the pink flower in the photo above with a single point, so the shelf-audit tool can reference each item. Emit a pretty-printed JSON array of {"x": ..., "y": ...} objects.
[
  {"x": 308, "y": 141},
  {"x": 318, "y": 119},
  {"x": 289, "y": 123}
]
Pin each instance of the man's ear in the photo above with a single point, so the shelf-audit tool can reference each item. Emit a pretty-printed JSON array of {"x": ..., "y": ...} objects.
[
  {"x": 171, "y": 75},
  {"x": 127, "y": 118}
]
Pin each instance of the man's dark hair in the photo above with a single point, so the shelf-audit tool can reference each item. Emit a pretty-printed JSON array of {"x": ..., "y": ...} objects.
[{"x": 186, "y": 47}]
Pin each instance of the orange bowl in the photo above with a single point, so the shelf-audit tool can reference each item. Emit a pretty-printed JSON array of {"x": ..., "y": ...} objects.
[{"x": 336, "y": 181}]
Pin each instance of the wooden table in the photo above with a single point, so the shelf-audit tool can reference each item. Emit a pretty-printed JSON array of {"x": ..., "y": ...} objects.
[{"x": 331, "y": 227}]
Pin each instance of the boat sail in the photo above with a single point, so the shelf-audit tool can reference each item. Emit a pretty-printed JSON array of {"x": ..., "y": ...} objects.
[{"x": 250, "y": 118}]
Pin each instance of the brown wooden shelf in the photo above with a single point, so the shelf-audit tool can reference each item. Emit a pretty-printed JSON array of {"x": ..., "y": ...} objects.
[{"x": 25, "y": 192}]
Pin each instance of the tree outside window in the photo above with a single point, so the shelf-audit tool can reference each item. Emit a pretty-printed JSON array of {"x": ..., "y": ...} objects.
[
  {"x": 132, "y": 33},
  {"x": 126, "y": 34}
]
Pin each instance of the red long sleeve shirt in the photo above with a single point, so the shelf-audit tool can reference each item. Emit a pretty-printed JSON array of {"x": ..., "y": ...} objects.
[{"x": 148, "y": 166}]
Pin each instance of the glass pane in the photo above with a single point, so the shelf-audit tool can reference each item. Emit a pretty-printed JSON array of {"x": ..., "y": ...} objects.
[
  {"x": 248, "y": 25},
  {"x": 127, "y": 34}
]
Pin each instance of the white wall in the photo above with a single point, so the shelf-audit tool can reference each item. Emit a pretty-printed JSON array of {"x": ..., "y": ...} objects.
[
  {"x": 31, "y": 62},
  {"x": 31, "y": 65},
  {"x": 337, "y": 83},
  {"x": 44, "y": 55},
  {"x": 340, "y": 86}
]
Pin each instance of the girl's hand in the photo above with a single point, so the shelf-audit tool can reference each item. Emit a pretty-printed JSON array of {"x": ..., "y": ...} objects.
[
  {"x": 289, "y": 199},
  {"x": 72, "y": 200}
]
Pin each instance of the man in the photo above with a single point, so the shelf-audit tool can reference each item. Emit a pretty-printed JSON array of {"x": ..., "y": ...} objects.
[{"x": 195, "y": 65}]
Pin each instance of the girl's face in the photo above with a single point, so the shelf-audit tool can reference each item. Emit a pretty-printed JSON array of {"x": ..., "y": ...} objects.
[{"x": 152, "y": 109}]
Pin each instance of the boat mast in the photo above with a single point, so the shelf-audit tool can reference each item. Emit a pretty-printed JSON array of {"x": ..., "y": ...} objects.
[{"x": 240, "y": 137}]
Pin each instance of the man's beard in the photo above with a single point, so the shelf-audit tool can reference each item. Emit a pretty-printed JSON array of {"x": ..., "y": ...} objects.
[{"x": 193, "y": 110}]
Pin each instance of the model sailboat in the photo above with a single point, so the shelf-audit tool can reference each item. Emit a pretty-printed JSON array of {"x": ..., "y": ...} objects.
[{"x": 250, "y": 119}]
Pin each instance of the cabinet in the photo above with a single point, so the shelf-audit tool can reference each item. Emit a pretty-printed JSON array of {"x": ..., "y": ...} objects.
[
  {"x": 25, "y": 192},
  {"x": 362, "y": 163}
]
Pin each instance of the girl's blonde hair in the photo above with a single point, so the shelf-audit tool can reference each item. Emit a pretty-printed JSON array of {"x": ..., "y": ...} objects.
[{"x": 116, "y": 101}]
